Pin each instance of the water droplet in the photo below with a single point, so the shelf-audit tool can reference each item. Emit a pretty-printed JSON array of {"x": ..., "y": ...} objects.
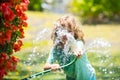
[
  {"x": 104, "y": 70},
  {"x": 37, "y": 53},
  {"x": 111, "y": 64},
  {"x": 110, "y": 72}
]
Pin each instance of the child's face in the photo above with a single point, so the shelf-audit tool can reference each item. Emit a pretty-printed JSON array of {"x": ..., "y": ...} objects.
[{"x": 64, "y": 37}]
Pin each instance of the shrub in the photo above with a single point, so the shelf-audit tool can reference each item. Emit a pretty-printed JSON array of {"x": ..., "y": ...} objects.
[
  {"x": 96, "y": 9},
  {"x": 35, "y": 5},
  {"x": 12, "y": 23}
]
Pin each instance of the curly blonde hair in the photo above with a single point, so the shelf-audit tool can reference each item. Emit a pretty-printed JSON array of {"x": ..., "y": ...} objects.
[{"x": 68, "y": 22}]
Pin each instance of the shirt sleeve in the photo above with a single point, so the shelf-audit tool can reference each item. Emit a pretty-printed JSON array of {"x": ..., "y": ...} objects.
[{"x": 51, "y": 57}]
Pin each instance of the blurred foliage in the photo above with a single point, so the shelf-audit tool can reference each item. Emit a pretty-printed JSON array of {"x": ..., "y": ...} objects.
[
  {"x": 35, "y": 5},
  {"x": 97, "y": 10}
]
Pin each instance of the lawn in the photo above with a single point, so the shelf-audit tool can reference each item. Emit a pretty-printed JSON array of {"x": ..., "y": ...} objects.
[{"x": 37, "y": 45}]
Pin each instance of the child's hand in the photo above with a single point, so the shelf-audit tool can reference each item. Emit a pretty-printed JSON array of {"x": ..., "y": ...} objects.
[
  {"x": 78, "y": 49},
  {"x": 78, "y": 53},
  {"x": 55, "y": 66},
  {"x": 51, "y": 66}
]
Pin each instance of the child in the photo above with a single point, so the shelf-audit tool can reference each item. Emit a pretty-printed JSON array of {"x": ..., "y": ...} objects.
[{"x": 68, "y": 44}]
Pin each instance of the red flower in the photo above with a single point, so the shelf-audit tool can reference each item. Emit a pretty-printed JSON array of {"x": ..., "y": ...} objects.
[
  {"x": 20, "y": 43},
  {"x": 20, "y": 11},
  {"x": 16, "y": 47},
  {"x": 7, "y": 24},
  {"x": 24, "y": 24},
  {"x": 4, "y": 56},
  {"x": 13, "y": 2},
  {"x": 2, "y": 61},
  {"x": 14, "y": 28},
  {"x": 22, "y": 32},
  {"x": 7, "y": 12},
  {"x": 11, "y": 63},
  {"x": 23, "y": 16},
  {"x": 2, "y": 72},
  {"x": 14, "y": 59},
  {"x": 24, "y": 7},
  {"x": 1, "y": 39},
  {"x": 10, "y": 66},
  {"x": 8, "y": 35},
  {"x": 26, "y": 1}
]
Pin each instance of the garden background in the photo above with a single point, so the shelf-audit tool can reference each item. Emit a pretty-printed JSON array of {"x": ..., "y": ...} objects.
[{"x": 98, "y": 18}]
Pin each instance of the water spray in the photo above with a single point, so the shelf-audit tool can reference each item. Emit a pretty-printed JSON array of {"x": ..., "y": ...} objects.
[{"x": 97, "y": 43}]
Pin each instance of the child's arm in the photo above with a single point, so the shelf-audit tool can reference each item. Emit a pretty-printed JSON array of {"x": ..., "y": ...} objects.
[
  {"x": 78, "y": 50},
  {"x": 47, "y": 66},
  {"x": 51, "y": 66}
]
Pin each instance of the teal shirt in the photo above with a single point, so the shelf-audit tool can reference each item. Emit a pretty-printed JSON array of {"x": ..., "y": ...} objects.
[{"x": 81, "y": 69}]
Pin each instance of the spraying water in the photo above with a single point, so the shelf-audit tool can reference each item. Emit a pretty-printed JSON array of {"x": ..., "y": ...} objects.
[
  {"x": 99, "y": 46},
  {"x": 41, "y": 36},
  {"x": 70, "y": 42}
]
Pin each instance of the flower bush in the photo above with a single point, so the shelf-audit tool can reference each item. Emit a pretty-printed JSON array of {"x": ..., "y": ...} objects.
[{"x": 12, "y": 23}]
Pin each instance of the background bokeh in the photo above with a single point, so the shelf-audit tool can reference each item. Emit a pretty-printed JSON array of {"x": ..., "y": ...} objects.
[{"x": 97, "y": 18}]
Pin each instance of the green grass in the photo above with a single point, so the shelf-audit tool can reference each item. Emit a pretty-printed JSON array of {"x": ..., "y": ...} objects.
[{"x": 109, "y": 32}]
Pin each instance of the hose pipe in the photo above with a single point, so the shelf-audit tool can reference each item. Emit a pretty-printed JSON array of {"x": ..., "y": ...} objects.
[{"x": 49, "y": 70}]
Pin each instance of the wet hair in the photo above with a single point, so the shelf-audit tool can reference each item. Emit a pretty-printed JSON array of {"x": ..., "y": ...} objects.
[{"x": 68, "y": 22}]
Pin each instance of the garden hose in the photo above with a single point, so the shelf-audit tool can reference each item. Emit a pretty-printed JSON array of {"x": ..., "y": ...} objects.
[{"x": 49, "y": 70}]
